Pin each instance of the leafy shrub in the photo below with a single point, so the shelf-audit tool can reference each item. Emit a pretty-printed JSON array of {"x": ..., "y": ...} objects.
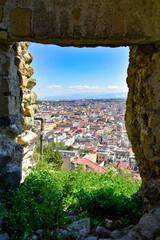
[
  {"x": 105, "y": 195},
  {"x": 51, "y": 155},
  {"x": 36, "y": 204},
  {"x": 46, "y": 196}
]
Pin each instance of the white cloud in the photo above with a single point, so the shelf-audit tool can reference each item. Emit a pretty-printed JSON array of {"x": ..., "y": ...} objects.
[
  {"x": 60, "y": 90},
  {"x": 114, "y": 87},
  {"x": 83, "y": 87},
  {"x": 54, "y": 86},
  {"x": 110, "y": 88}
]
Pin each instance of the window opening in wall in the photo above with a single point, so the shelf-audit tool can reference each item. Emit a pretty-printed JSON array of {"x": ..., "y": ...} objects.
[
  {"x": 89, "y": 173},
  {"x": 82, "y": 94}
]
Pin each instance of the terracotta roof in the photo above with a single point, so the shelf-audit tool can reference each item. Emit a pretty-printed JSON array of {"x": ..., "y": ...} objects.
[
  {"x": 91, "y": 148},
  {"x": 124, "y": 164},
  {"x": 137, "y": 176},
  {"x": 94, "y": 166}
]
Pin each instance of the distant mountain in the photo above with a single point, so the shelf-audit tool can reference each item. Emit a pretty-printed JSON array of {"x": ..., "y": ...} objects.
[{"x": 86, "y": 96}]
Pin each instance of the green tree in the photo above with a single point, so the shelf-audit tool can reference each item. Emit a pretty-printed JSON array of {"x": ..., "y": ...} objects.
[
  {"x": 54, "y": 145},
  {"x": 86, "y": 151},
  {"x": 58, "y": 160},
  {"x": 53, "y": 156},
  {"x": 61, "y": 146},
  {"x": 70, "y": 148}
]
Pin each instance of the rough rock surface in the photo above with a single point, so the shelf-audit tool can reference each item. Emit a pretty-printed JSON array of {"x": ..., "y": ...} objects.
[
  {"x": 80, "y": 23},
  {"x": 102, "y": 232},
  {"x": 108, "y": 223},
  {"x": 142, "y": 117},
  {"x": 121, "y": 233},
  {"x": 83, "y": 23},
  {"x": 11, "y": 117},
  {"x": 16, "y": 112},
  {"x": 131, "y": 236},
  {"x": 148, "y": 226},
  {"x": 4, "y": 236},
  {"x": 23, "y": 60},
  {"x": 91, "y": 238},
  {"x": 80, "y": 227}
]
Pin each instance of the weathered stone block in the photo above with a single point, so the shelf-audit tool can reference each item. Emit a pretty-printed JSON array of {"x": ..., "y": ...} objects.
[
  {"x": 5, "y": 65},
  {"x": 14, "y": 176},
  {"x": 4, "y": 108},
  {"x": 4, "y": 236},
  {"x": 28, "y": 70},
  {"x": 25, "y": 140},
  {"x": 25, "y": 69},
  {"x": 33, "y": 97},
  {"x": 30, "y": 110},
  {"x": 28, "y": 57},
  {"x": 157, "y": 137},
  {"x": 154, "y": 121},
  {"x": 76, "y": 13},
  {"x": 4, "y": 85},
  {"x": 7, "y": 120},
  {"x": 142, "y": 115},
  {"x": 1, "y": 14},
  {"x": 28, "y": 155},
  {"x": 4, "y": 160},
  {"x": 148, "y": 226},
  {"x": 80, "y": 227},
  {"x": 20, "y": 22},
  {"x": 2, "y": 2},
  {"x": 28, "y": 82},
  {"x": 28, "y": 123}
]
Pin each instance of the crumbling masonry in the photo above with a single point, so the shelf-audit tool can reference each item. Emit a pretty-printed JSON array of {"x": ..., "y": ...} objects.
[{"x": 81, "y": 23}]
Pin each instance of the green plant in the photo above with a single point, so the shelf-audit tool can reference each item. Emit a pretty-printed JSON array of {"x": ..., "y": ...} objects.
[
  {"x": 86, "y": 151},
  {"x": 51, "y": 155},
  {"x": 70, "y": 148},
  {"x": 46, "y": 196},
  {"x": 36, "y": 204},
  {"x": 110, "y": 194}
]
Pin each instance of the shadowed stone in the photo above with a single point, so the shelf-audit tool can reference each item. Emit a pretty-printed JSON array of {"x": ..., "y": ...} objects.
[
  {"x": 4, "y": 236},
  {"x": 82, "y": 23},
  {"x": 1, "y": 14},
  {"x": 80, "y": 227},
  {"x": 3, "y": 35},
  {"x": 2, "y": 2},
  {"x": 14, "y": 176},
  {"x": 76, "y": 13},
  {"x": 4, "y": 160},
  {"x": 148, "y": 226},
  {"x": 142, "y": 118},
  {"x": 20, "y": 24}
]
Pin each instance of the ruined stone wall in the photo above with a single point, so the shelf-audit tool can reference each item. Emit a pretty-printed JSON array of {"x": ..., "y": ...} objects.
[
  {"x": 142, "y": 117},
  {"x": 11, "y": 116},
  {"x": 17, "y": 110},
  {"x": 23, "y": 60},
  {"x": 80, "y": 23}
]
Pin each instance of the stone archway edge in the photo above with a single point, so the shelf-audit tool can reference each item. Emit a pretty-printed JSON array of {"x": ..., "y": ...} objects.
[
  {"x": 83, "y": 23},
  {"x": 80, "y": 23}
]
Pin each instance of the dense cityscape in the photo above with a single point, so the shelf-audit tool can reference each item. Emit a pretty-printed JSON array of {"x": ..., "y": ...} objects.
[{"x": 94, "y": 132}]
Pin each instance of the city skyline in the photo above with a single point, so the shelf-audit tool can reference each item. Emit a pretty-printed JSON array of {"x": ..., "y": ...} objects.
[{"x": 76, "y": 73}]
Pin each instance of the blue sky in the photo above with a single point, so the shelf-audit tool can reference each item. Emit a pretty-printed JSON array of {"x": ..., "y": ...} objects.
[{"x": 63, "y": 71}]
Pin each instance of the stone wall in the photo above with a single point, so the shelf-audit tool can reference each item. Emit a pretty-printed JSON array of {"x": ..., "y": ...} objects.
[
  {"x": 80, "y": 23},
  {"x": 23, "y": 60},
  {"x": 142, "y": 117},
  {"x": 11, "y": 116},
  {"x": 17, "y": 110}
]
